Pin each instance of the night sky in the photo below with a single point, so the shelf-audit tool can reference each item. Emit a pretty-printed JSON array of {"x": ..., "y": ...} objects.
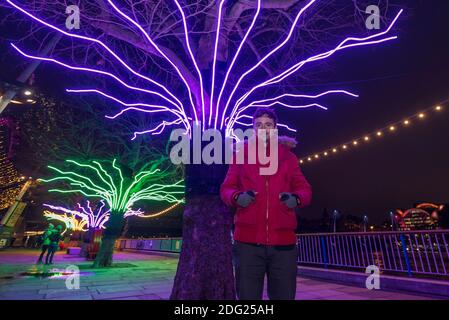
[{"x": 394, "y": 80}]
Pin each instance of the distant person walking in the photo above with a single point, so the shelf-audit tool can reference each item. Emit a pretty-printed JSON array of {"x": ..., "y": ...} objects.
[
  {"x": 55, "y": 237},
  {"x": 45, "y": 241}
]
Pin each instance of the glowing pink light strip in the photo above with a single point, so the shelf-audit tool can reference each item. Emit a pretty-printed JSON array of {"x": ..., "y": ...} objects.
[
  {"x": 115, "y": 99},
  {"x": 130, "y": 109},
  {"x": 184, "y": 21},
  {"x": 185, "y": 122},
  {"x": 101, "y": 44},
  {"x": 93, "y": 71},
  {"x": 342, "y": 46},
  {"x": 265, "y": 58},
  {"x": 289, "y": 105},
  {"x": 147, "y": 36},
  {"x": 233, "y": 61},
  {"x": 307, "y": 96},
  {"x": 214, "y": 62},
  {"x": 96, "y": 220},
  {"x": 324, "y": 55},
  {"x": 90, "y": 221}
]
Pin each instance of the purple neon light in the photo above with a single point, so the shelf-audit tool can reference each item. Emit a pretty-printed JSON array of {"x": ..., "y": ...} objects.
[
  {"x": 214, "y": 62},
  {"x": 65, "y": 210},
  {"x": 98, "y": 42},
  {"x": 192, "y": 57},
  {"x": 341, "y": 46},
  {"x": 250, "y": 124},
  {"x": 324, "y": 55},
  {"x": 154, "y": 130},
  {"x": 265, "y": 58},
  {"x": 93, "y": 71},
  {"x": 233, "y": 61},
  {"x": 93, "y": 219},
  {"x": 131, "y": 106},
  {"x": 132, "y": 212},
  {"x": 308, "y": 96},
  {"x": 130, "y": 109},
  {"x": 116, "y": 99},
  {"x": 321, "y": 56},
  {"x": 289, "y": 105},
  {"x": 305, "y": 61},
  {"x": 185, "y": 121},
  {"x": 147, "y": 36},
  {"x": 96, "y": 219},
  {"x": 89, "y": 214},
  {"x": 178, "y": 109},
  {"x": 259, "y": 103}
]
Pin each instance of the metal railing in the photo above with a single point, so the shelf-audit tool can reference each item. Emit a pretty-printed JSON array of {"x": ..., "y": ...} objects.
[
  {"x": 152, "y": 244},
  {"x": 411, "y": 252}
]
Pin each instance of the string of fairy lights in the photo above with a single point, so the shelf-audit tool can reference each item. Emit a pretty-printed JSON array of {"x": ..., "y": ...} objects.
[
  {"x": 156, "y": 214},
  {"x": 369, "y": 137}
]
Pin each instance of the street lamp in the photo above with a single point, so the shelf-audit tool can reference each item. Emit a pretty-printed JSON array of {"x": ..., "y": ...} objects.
[
  {"x": 334, "y": 215},
  {"x": 392, "y": 220},
  {"x": 365, "y": 221}
]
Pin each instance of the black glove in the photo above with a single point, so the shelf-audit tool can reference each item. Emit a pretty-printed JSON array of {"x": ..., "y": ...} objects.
[
  {"x": 289, "y": 199},
  {"x": 244, "y": 199}
]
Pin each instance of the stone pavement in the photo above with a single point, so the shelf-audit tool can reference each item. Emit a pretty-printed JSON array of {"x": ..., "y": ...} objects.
[{"x": 135, "y": 276}]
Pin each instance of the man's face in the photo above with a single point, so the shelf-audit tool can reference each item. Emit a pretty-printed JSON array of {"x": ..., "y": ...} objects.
[{"x": 264, "y": 122}]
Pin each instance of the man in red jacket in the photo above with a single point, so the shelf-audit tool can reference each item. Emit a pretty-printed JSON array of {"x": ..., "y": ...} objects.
[{"x": 265, "y": 220}]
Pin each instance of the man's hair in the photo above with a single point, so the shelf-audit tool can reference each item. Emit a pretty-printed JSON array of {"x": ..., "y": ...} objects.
[{"x": 260, "y": 112}]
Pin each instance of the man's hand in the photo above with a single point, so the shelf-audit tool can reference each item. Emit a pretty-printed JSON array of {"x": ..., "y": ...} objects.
[
  {"x": 289, "y": 199},
  {"x": 244, "y": 199}
]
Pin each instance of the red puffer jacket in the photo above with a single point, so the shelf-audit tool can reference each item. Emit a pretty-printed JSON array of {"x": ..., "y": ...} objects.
[{"x": 266, "y": 220}]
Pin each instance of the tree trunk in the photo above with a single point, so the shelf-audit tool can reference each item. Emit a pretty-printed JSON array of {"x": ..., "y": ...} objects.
[
  {"x": 205, "y": 264},
  {"x": 114, "y": 228}
]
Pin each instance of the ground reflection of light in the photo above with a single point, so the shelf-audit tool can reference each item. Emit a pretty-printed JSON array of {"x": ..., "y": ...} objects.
[{"x": 53, "y": 273}]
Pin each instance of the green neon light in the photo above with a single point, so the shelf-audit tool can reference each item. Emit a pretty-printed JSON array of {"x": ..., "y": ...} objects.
[{"x": 109, "y": 184}]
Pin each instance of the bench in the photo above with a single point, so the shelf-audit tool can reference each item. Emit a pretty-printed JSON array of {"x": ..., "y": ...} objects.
[{"x": 73, "y": 250}]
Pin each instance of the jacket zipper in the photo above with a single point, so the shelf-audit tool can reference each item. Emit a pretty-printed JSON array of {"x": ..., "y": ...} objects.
[{"x": 266, "y": 187}]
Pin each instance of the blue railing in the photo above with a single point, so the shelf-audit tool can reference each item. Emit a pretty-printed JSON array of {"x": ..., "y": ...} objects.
[
  {"x": 152, "y": 244},
  {"x": 409, "y": 252}
]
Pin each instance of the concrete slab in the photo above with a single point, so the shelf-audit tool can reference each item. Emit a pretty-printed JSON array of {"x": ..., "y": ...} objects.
[{"x": 144, "y": 277}]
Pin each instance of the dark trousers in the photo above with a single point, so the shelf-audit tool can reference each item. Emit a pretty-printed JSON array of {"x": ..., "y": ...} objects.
[
  {"x": 252, "y": 262},
  {"x": 44, "y": 249},
  {"x": 51, "y": 252}
]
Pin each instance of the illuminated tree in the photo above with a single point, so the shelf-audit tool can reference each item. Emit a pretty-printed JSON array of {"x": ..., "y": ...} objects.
[
  {"x": 120, "y": 188},
  {"x": 85, "y": 217},
  {"x": 202, "y": 61},
  {"x": 215, "y": 101},
  {"x": 70, "y": 220}
]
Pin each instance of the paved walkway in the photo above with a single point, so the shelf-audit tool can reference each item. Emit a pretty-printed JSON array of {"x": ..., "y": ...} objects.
[{"x": 135, "y": 276}]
